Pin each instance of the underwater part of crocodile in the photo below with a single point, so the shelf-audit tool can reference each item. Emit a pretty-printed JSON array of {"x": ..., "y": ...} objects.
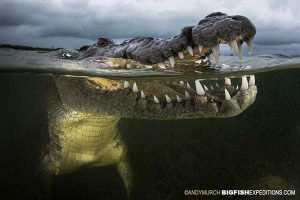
[
  {"x": 193, "y": 43},
  {"x": 83, "y": 114}
]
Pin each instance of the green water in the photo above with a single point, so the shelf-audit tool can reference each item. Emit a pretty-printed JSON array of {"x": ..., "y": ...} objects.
[{"x": 258, "y": 149}]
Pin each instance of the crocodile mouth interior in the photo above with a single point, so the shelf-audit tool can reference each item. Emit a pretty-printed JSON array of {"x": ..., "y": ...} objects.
[{"x": 184, "y": 94}]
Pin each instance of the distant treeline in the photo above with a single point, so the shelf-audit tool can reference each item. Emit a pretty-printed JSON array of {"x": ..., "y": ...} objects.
[{"x": 21, "y": 47}]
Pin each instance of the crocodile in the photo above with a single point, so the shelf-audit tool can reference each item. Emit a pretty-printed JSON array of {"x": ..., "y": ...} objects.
[{"x": 83, "y": 112}]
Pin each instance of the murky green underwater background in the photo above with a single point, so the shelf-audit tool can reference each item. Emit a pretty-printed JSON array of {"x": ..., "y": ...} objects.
[{"x": 256, "y": 149}]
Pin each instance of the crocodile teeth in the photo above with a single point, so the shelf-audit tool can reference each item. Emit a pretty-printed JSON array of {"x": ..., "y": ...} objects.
[
  {"x": 199, "y": 88},
  {"x": 233, "y": 44},
  {"x": 252, "y": 80},
  {"x": 187, "y": 95},
  {"x": 211, "y": 87},
  {"x": 143, "y": 96},
  {"x": 216, "y": 53},
  {"x": 227, "y": 81},
  {"x": 168, "y": 99},
  {"x": 190, "y": 50},
  {"x": 97, "y": 87},
  {"x": 155, "y": 99},
  {"x": 244, "y": 85},
  {"x": 237, "y": 87},
  {"x": 171, "y": 60},
  {"x": 188, "y": 86},
  {"x": 227, "y": 95},
  {"x": 205, "y": 88},
  {"x": 240, "y": 50},
  {"x": 178, "y": 99},
  {"x": 250, "y": 46},
  {"x": 200, "y": 48},
  {"x": 134, "y": 87},
  {"x": 161, "y": 65},
  {"x": 181, "y": 82},
  {"x": 126, "y": 84},
  {"x": 217, "y": 85},
  {"x": 180, "y": 55}
]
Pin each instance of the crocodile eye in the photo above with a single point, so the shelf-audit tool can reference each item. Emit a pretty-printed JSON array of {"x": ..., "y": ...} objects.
[{"x": 102, "y": 41}]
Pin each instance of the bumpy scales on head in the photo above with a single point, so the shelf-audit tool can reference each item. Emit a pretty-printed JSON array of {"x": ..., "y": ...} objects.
[{"x": 193, "y": 43}]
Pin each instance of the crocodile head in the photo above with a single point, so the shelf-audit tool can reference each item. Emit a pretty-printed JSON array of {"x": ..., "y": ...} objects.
[
  {"x": 193, "y": 43},
  {"x": 163, "y": 99}
]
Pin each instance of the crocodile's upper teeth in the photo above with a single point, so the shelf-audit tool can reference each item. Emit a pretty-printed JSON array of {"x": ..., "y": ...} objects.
[
  {"x": 205, "y": 88},
  {"x": 216, "y": 53},
  {"x": 200, "y": 48},
  {"x": 252, "y": 80},
  {"x": 134, "y": 87},
  {"x": 126, "y": 84},
  {"x": 233, "y": 44},
  {"x": 199, "y": 88},
  {"x": 227, "y": 95},
  {"x": 180, "y": 55},
  {"x": 217, "y": 85},
  {"x": 187, "y": 95},
  {"x": 188, "y": 86},
  {"x": 178, "y": 98},
  {"x": 181, "y": 82},
  {"x": 240, "y": 50},
  {"x": 190, "y": 50},
  {"x": 237, "y": 87},
  {"x": 250, "y": 45},
  {"x": 244, "y": 85},
  {"x": 168, "y": 99},
  {"x": 227, "y": 81},
  {"x": 171, "y": 60},
  {"x": 143, "y": 95},
  {"x": 155, "y": 99},
  {"x": 211, "y": 87}
]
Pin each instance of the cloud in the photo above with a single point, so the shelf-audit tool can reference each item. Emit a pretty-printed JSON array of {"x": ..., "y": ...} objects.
[{"x": 277, "y": 22}]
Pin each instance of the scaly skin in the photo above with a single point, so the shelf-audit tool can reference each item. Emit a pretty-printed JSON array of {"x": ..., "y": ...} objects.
[{"x": 84, "y": 112}]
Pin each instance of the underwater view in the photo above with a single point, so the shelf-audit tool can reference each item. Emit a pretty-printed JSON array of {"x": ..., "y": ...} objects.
[
  {"x": 172, "y": 101},
  {"x": 102, "y": 147}
]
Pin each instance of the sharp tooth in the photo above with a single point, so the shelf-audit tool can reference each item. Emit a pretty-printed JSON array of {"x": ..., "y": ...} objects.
[
  {"x": 97, "y": 87},
  {"x": 217, "y": 85},
  {"x": 227, "y": 81},
  {"x": 216, "y": 53},
  {"x": 237, "y": 87},
  {"x": 126, "y": 84},
  {"x": 233, "y": 44},
  {"x": 181, "y": 82},
  {"x": 178, "y": 99},
  {"x": 252, "y": 80},
  {"x": 171, "y": 60},
  {"x": 211, "y": 87},
  {"x": 240, "y": 50},
  {"x": 205, "y": 88},
  {"x": 190, "y": 50},
  {"x": 188, "y": 86},
  {"x": 227, "y": 95},
  {"x": 180, "y": 55},
  {"x": 143, "y": 95},
  {"x": 155, "y": 99},
  {"x": 250, "y": 46},
  {"x": 134, "y": 87},
  {"x": 187, "y": 94},
  {"x": 168, "y": 99},
  {"x": 244, "y": 85},
  {"x": 161, "y": 65},
  {"x": 200, "y": 48},
  {"x": 199, "y": 88}
]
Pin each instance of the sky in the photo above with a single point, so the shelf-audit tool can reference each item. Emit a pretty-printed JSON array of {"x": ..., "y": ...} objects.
[{"x": 73, "y": 23}]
